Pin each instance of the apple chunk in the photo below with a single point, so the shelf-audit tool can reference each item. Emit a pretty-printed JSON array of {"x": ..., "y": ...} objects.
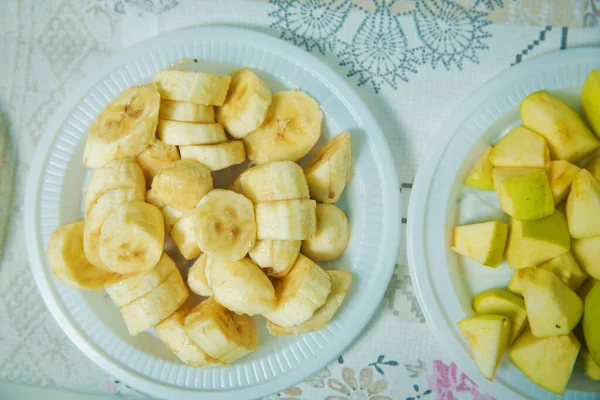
[
  {"x": 552, "y": 308},
  {"x": 531, "y": 243},
  {"x": 590, "y": 100},
  {"x": 561, "y": 174},
  {"x": 591, "y": 368},
  {"x": 594, "y": 168},
  {"x": 546, "y": 361},
  {"x": 488, "y": 337},
  {"x": 591, "y": 323},
  {"x": 524, "y": 193},
  {"x": 502, "y": 302},
  {"x": 587, "y": 252},
  {"x": 483, "y": 242},
  {"x": 583, "y": 206},
  {"x": 567, "y": 134},
  {"x": 587, "y": 287},
  {"x": 520, "y": 148},
  {"x": 480, "y": 176}
]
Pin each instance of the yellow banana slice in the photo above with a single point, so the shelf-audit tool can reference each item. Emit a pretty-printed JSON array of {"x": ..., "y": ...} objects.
[
  {"x": 332, "y": 235},
  {"x": 186, "y": 112},
  {"x": 300, "y": 293},
  {"x": 340, "y": 284},
  {"x": 246, "y": 105},
  {"x": 182, "y": 184},
  {"x": 286, "y": 219},
  {"x": 280, "y": 180},
  {"x": 221, "y": 333},
  {"x": 291, "y": 129},
  {"x": 184, "y": 238},
  {"x": 125, "y": 289},
  {"x": 157, "y": 156},
  {"x": 172, "y": 332},
  {"x": 216, "y": 156},
  {"x": 275, "y": 257},
  {"x": 98, "y": 214},
  {"x": 152, "y": 308},
  {"x": 193, "y": 87},
  {"x": 132, "y": 238},
  {"x": 67, "y": 259},
  {"x": 224, "y": 225},
  {"x": 170, "y": 214},
  {"x": 118, "y": 174},
  {"x": 328, "y": 169},
  {"x": 124, "y": 128},
  {"x": 197, "y": 277},
  {"x": 241, "y": 286},
  {"x": 188, "y": 133}
]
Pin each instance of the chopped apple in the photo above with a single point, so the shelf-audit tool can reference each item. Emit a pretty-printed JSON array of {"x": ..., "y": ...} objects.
[
  {"x": 586, "y": 288},
  {"x": 567, "y": 134},
  {"x": 524, "y": 193},
  {"x": 531, "y": 243},
  {"x": 547, "y": 361},
  {"x": 583, "y": 206},
  {"x": 590, "y": 99},
  {"x": 483, "y": 242},
  {"x": 591, "y": 323},
  {"x": 480, "y": 176},
  {"x": 552, "y": 308},
  {"x": 520, "y": 148},
  {"x": 502, "y": 302},
  {"x": 488, "y": 337},
  {"x": 587, "y": 252},
  {"x": 591, "y": 368},
  {"x": 594, "y": 168},
  {"x": 514, "y": 285},
  {"x": 561, "y": 174}
]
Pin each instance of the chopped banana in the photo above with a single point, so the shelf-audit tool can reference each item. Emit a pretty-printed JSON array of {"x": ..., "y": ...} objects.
[
  {"x": 331, "y": 237},
  {"x": 216, "y": 156},
  {"x": 157, "y": 156},
  {"x": 186, "y": 112},
  {"x": 188, "y": 133},
  {"x": 182, "y": 184},
  {"x": 193, "y": 87},
  {"x": 184, "y": 238},
  {"x": 280, "y": 180},
  {"x": 197, "y": 280},
  {"x": 286, "y": 219},
  {"x": 275, "y": 257}
]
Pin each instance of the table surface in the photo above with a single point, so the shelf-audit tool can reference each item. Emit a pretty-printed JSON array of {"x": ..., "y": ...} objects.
[{"x": 420, "y": 77}]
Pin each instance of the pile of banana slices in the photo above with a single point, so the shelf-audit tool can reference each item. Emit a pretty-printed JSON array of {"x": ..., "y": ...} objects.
[{"x": 255, "y": 244}]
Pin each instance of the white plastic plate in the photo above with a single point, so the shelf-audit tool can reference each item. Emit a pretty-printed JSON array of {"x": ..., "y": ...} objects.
[
  {"x": 446, "y": 282},
  {"x": 371, "y": 201}
]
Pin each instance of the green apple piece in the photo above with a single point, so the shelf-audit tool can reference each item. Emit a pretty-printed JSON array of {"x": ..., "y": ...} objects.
[
  {"x": 586, "y": 288},
  {"x": 502, "y": 302},
  {"x": 583, "y": 206},
  {"x": 488, "y": 337},
  {"x": 531, "y": 243},
  {"x": 590, "y": 99},
  {"x": 480, "y": 176},
  {"x": 520, "y": 148},
  {"x": 514, "y": 286},
  {"x": 587, "y": 252},
  {"x": 593, "y": 168},
  {"x": 552, "y": 308},
  {"x": 524, "y": 193},
  {"x": 483, "y": 242},
  {"x": 547, "y": 361},
  {"x": 591, "y": 368},
  {"x": 591, "y": 322},
  {"x": 560, "y": 175},
  {"x": 567, "y": 134}
]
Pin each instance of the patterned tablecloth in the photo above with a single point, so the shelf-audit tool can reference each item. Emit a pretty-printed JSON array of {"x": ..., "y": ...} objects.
[{"x": 413, "y": 62}]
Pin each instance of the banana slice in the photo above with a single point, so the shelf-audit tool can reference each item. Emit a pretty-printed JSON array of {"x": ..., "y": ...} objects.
[
  {"x": 197, "y": 276},
  {"x": 286, "y": 219},
  {"x": 192, "y": 87},
  {"x": 241, "y": 286},
  {"x": 332, "y": 235},
  {"x": 236, "y": 185},
  {"x": 280, "y": 180},
  {"x": 157, "y": 156},
  {"x": 170, "y": 214},
  {"x": 300, "y": 293},
  {"x": 67, "y": 259},
  {"x": 340, "y": 284},
  {"x": 98, "y": 214},
  {"x": 186, "y": 112},
  {"x": 152, "y": 308},
  {"x": 246, "y": 105},
  {"x": 275, "y": 257},
  {"x": 132, "y": 238},
  {"x": 118, "y": 174},
  {"x": 328, "y": 169},
  {"x": 125, "y": 289},
  {"x": 182, "y": 184},
  {"x": 216, "y": 156},
  {"x": 184, "y": 238},
  {"x": 224, "y": 225},
  {"x": 124, "y": 128},
  {"x": 188, "y": 133},
  {"x": 221, "y": 333},
  {"x": 172, "y": 332},
  {"x": 292, "y": 127}
]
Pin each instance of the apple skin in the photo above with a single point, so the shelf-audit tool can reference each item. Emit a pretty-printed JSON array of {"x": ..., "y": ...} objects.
[
  {"x": 483, "y": 242},
  {"x": 524, "y": 193},
  {"x": 590, "y": 100},
  {"x": 480, "y": 176},
  {"x": 560, "y": 175},
  {"x": 503, "y": 302},
  {"x": 587, "y": 253},
  {"x": 582, "y": 203},
  {"x": 520, "y": 147},
  {"x": 591, "y": 323}
]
